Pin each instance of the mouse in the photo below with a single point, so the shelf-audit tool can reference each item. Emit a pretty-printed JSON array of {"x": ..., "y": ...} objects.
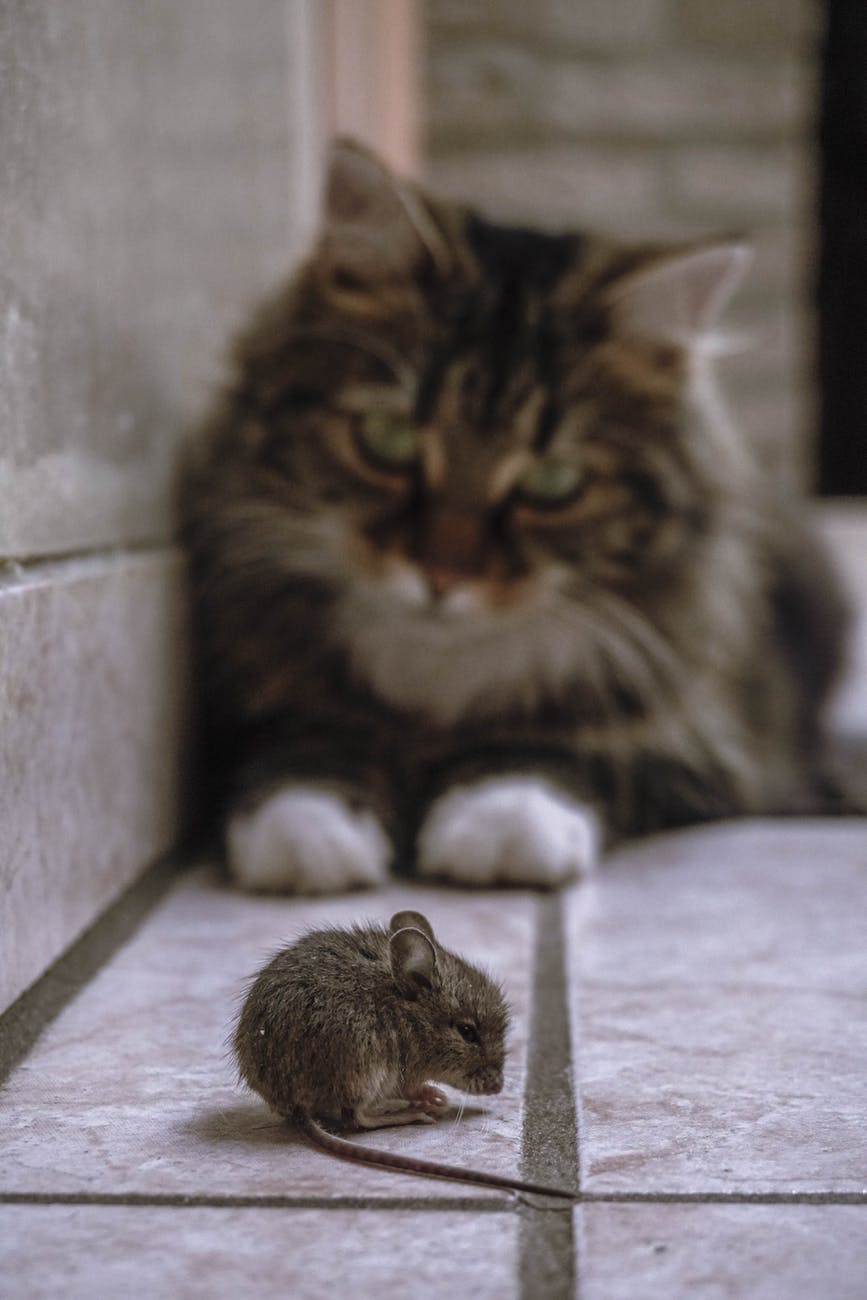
[{"x": 353, "y": 1028}]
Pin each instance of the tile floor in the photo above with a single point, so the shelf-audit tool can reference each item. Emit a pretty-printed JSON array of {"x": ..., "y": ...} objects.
[{"x": 689, "y": 1053}]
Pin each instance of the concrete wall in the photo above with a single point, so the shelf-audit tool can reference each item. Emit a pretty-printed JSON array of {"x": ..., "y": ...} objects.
[
  {"x": 160, "y": 167},
  {"x": 651, "y": 118},
  {"x": 148, "y": 160}
]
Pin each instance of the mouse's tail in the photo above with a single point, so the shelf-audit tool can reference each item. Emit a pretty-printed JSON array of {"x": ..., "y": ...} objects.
[{"x": 346, "y": 1150}]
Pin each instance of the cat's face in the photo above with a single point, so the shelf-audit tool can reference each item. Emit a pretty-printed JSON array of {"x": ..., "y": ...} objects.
[{"x": 487, "y": 429}]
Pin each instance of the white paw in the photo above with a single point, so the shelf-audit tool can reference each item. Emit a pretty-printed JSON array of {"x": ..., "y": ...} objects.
[
  {"x": 516, "y": 830},
  {"x": 306, "y": 841}
]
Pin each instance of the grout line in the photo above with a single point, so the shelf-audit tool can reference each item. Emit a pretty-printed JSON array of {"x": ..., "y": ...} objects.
[
  {"x": 474, "y": 1204},
  {"x": 571, "y": 927},
  {"x": 723, "y": 1198},
  {"x": 25, "y": 1020},
  {"x": 17, "y": 567},
  {"x": 549, "y": 1138}
]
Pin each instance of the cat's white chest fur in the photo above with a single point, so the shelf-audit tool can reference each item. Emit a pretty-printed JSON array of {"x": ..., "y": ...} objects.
[{"x": 453, "y": 658}]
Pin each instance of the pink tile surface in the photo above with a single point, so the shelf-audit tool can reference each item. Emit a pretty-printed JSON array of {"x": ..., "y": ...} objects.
[
  {"x": 723, "y": 1252},
  {"x": 132, "y": 1089},
  {"x": 718, "y": 980},
  {"x": 157, "y": 1253}
]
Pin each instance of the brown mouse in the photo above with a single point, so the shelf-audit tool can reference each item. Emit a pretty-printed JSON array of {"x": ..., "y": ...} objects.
[{"x": 350, "y": 1026}]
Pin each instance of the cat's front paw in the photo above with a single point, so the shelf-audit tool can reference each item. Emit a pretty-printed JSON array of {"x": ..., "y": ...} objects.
[
  {"x": 307, "y": 841},
  {"x": 508, "y": 830}
]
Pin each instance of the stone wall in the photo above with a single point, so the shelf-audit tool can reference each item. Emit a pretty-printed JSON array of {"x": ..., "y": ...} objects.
[
  {"x": 147, "y": 151},
  {"x": 651, "y": 118}
]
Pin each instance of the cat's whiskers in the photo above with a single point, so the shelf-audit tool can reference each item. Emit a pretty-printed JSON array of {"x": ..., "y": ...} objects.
[
  {"x": 303, "y": 549},
  {"x": 618, "y": 648},
  {"x": 656, "y": 653},
  {"x": 590, "y": 639}
]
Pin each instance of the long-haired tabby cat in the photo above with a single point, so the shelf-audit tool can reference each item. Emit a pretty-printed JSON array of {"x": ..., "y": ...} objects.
[{"x": 482, "y": 573}]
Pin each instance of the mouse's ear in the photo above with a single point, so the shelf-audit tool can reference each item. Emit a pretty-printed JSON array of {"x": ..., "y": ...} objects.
[
  {"x": 413, "y": 959},
  {"x": 401, "y": 920}
]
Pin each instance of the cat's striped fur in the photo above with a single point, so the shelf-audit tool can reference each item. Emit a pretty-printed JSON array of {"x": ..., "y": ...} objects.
[{"x": 656, "y": 646}]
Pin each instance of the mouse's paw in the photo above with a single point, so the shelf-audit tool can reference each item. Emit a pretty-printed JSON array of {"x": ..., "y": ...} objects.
[
  {"x": 390, "y": 1111},
  {"x": 302, "y": 840},
  {"x": 433, "y": 1101},
  {"x": 516, "y": 830}
]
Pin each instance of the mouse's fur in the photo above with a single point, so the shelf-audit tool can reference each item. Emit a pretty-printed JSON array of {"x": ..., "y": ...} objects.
[
  {"x": 350, "y": 1026},
  {"x": 344, "y": 1022}
]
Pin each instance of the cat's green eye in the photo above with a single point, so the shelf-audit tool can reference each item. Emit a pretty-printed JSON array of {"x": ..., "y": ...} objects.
[
  {"x": 550, "y": 481},
  {"x": 390, "y": 441}
]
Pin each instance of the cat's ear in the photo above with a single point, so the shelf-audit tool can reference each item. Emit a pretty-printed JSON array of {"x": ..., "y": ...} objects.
[
  {"x": 374, "y": 224},
  {"x": 680, "y": 298}
]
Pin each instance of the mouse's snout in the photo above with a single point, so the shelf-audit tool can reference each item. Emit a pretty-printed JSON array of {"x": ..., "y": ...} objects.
[{"x": 487, "y": 1082}]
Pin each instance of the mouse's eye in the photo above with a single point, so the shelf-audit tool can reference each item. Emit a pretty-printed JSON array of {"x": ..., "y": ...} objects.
[{"x": 468, "y": 1032}]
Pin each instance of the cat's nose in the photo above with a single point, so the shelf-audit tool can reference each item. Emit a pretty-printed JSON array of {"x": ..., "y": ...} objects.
[
  {"x": 451, "y": 546},
  {"x": 441, "y": 581}
]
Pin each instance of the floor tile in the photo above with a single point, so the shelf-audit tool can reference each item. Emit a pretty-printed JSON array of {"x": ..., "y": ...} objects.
[
  {"x": 157, "y": 1253},
  {"x": 133, "y": 1088},
  {"x": 722, "y": 1252},
  {"x": 718, "y": 983}
]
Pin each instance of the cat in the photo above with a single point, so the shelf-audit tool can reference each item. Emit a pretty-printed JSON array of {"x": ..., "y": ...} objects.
[{"x": 483, "y": 577}]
